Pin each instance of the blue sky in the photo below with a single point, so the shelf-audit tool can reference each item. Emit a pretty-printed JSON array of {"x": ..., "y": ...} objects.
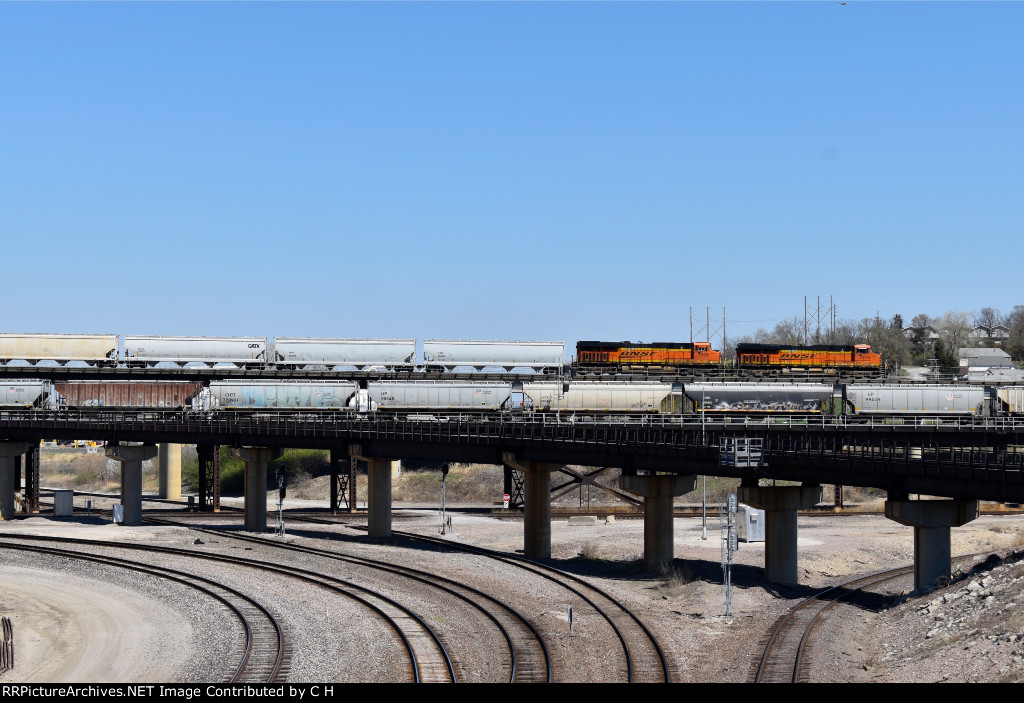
[{"x": 555, "y": 171}]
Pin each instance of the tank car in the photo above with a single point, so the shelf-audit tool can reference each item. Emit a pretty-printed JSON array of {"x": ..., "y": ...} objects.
[
  {"x": 617, "y": 356},
  {"x": 449, "y": 353},
  {"x": 151, "y": 350},
  {"x": 98, "y": 349}
]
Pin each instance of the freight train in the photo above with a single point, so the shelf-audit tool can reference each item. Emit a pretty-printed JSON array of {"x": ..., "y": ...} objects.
[
  {"x": 576, "y": 398},
  {"x": 592, "y": 357},
  {"x": 138, "y": 351}
]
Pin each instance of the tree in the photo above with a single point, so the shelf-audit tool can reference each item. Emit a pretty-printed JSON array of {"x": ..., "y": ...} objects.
[
  {"x": 954, "y": 330},
  {"x": 989, "y": 317},
  {"x": 1015, "y": 344}
]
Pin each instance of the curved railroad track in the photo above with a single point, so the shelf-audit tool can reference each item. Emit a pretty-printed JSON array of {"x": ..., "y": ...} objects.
[
  {"x": 784, "y": 657},
  {"x": 263, "y": 657},
  {"x": 428, "y": 660}
]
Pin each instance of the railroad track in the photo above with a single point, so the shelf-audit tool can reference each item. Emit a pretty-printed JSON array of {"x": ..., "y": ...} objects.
[
  {"x": 644, "y": 660},
  {"x": 427, "y": 657},
  {"x": 262, "y": 655},
  {"x": 784, "y": 657}
]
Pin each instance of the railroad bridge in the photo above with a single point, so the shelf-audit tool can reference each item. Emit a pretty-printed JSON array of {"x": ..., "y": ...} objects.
[{"x": 962, "y": 459}]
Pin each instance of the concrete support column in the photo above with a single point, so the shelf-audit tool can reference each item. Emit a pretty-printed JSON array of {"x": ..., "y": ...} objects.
[
  {"x": 659, "y": 514},
  {"x": 378, "y": 495},
  {"x": 780, "y": 504},
  {"x": 170, "y": 471},
  {"x": 131, "y": 458},
  {"x": 8, "y": 451},
  {"x": 256, "y": 460},
  {"x": 931, "y": 520},
  {"x": 537, "y": 509}
]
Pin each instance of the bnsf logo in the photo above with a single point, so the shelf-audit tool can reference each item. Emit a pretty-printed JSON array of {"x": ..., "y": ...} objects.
[
  {"x": 636, "y": 354},
  {"x": 793, "y": 356}
]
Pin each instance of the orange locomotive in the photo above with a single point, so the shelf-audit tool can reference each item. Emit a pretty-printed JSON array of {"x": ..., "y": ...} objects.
[
  {"x": 774, "y": 356},
  {"x": 591, "y": 354}
]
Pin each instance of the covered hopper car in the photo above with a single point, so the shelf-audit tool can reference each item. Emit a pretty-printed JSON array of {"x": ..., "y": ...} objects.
[{"x": 96, "y": 349}]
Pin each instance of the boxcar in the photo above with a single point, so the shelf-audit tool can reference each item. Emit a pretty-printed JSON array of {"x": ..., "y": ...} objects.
[{"x": 126, "y": 394}]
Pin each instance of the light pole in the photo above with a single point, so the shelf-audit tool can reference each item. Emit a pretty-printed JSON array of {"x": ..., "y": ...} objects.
[{"x": 704, "y": 492}]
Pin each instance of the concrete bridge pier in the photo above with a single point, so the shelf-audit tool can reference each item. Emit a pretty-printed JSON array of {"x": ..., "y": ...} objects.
[
  {"x": 931, "y": 520},
  {"x": 379, "y": 472},
  {"x": 659, "y": 533},
  {"x": 536, "y": 505},
  {"x": 780, "y": 504},
  {"x": 170, "y": 471},
  {"x": 256, "y": 460},
  {"x": 131, "y": 457},
  {"x": 8, "y": 452}
]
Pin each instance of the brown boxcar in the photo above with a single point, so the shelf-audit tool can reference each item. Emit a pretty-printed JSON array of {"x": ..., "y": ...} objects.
[
  {"x": 640, "y": 354},
  {"x": 825, "y": 356},
  {"x": 126, "y": 394}
]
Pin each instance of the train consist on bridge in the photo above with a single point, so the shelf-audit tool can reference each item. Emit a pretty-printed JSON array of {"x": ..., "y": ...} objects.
[
  {"x": 402, "y": 355},
  {"x": 574, "y": 398}
]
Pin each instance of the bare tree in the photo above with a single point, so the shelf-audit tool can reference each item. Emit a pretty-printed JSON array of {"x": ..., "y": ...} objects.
[
  {"x": 954, "y": 330},
  {"x": 989, "y": 317}
]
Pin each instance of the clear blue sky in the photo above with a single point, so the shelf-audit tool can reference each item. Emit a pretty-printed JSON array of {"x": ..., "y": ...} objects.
[{"x": 555, "y": 171}]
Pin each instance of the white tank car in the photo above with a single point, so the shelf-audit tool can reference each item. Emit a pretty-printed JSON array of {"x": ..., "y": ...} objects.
[
  {"x": 24, "y": 394},
  {"x": 94, "y": 348},
  {"x": 453, "y": 352},
  {"x": 915, "y": 400},
  {"x": 298, "y": 395},
  {"x": 439, "y": 395},
  {"x": 151, "y": 350},
  {"x": 597, "y": 396},
  {"x": 759, "y": 397},
  {"x": 336, "y": 352}
]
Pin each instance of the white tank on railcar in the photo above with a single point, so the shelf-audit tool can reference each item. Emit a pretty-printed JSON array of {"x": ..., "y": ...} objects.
[
  {"x": 300, "y": 351},
  {"x": 598, "y": 396},
  {"x": 439, "y": 395},
  {"x": 915, "y": 400},
  {"x": 293, "y": 395},
  {"x": 24, "y": 394},
  {"x": 152, "y": 350},
  {"x": 91, "y": 348},
  {"x": 450, "y": 353}
]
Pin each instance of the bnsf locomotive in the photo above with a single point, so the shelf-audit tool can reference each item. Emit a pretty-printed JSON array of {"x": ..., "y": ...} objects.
[
  {"x": 655, "y": 354},
  {"x": 856, "y": 357}
]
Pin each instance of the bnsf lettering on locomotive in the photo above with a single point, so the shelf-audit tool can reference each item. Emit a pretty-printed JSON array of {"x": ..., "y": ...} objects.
[{"x": 793, "y": 356}]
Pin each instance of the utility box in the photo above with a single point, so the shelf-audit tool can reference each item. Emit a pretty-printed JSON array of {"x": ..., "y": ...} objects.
[
  {"x": 63, "y": 503},
  {"x": 118, "y": 513},
  {"x": 750, "y": 524}
]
